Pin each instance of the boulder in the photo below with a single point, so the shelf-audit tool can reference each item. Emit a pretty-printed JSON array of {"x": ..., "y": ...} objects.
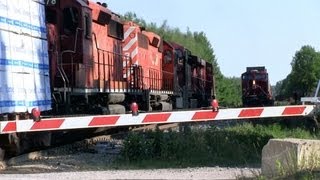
[{"x": 283, "y": 157}]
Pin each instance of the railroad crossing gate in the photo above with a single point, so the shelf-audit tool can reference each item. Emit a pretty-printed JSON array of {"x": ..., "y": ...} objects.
[{"x": 82, "y": 122}]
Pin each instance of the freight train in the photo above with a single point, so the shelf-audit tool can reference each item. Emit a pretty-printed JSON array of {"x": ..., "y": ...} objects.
[
  {"x": 256, "y": 89},
  {"x": 78, "y": 57}
]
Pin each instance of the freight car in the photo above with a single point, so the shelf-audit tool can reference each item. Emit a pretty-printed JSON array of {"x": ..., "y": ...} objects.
[
  {"x": 78, "y": 57},
  {"x": 256, "y": 89}
]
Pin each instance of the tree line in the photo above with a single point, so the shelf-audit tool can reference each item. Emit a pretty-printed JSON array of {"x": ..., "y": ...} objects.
[{"x": 304, "y": 75}]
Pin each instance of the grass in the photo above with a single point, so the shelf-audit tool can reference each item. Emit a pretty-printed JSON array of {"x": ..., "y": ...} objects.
[{"x": 234, "y": 146}]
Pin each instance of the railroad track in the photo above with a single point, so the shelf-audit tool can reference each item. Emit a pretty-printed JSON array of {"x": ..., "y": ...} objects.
[
  {"x": 111, "y": 138},
  {"x": 108, "y": 144}
]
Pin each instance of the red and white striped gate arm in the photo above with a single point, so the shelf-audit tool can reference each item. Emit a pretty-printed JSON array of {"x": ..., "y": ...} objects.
[{"x": 153, "y": 118}]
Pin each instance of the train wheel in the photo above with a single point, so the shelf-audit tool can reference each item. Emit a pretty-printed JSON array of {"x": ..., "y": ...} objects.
[
  {"x": 163, "y": 97},
  {"x": 2, "y": 163},
  {"x": 166, "y": 106},
  {"x": 115, "y": 98},
  {"x": 24, "y": 142},
  {"x": 116, "y": 109}
]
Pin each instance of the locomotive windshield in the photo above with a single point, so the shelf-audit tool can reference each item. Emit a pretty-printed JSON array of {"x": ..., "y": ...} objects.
[
  {"x": 167, "y": 56},
  {"x": 115, "y": 29},
  {"x": 260, "y": 76},
  {"x": 143, "y": 41},
  {"x": 254, "y": 76},
  {"x": 88, "y": 30},
  {"x": 179, "y": 56},
  {"x": 70, "y": 19}
]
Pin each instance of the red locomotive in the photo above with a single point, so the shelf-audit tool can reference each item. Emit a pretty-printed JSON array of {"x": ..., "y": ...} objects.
[
  {"x": 256, "y": 89},
  {"x": 99, "y": 64},
  {"x": 102, "y": 64},
  {"x": 83, "y": 59}
]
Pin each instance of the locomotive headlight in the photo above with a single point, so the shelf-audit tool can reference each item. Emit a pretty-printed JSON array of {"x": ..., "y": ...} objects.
[{"x": 254, "y": 82}]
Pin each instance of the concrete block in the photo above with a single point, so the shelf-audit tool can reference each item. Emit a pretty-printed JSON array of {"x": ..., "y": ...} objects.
[{"x": 282, "y": 157}]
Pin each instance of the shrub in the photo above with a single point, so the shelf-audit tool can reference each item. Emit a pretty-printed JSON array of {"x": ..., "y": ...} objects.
[{"x": 239, "y": 145}]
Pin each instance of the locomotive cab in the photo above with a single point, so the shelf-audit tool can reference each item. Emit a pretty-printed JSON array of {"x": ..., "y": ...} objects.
[
  {"x": 168, "y": 67},
  {"x": 72, "y": 34},
  {"x": 256, "y": 89},
  {"x": 87, "y": 60}
]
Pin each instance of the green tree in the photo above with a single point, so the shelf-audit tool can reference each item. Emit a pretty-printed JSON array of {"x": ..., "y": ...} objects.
[
  {"x": 305, "y": 70},
  {"x": 130, "y": 16},
  {"x": 304, "y": 75},
  {"x": 229, "y": 91}
]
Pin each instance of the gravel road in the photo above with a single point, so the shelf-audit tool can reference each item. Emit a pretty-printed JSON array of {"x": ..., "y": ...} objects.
[
  {"x": 188, "y": 173},
  {"x": 80, "y": 161}
]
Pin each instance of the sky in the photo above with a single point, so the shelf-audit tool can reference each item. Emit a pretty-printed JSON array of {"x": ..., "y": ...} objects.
[{"x": 242, "y": 33}]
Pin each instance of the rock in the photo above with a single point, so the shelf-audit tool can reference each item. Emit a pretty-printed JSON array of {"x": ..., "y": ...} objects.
[
  {"x": 282, "y": 157},
  {"x": 3, "y": 165},
  {"x": 37, "y": 155}
]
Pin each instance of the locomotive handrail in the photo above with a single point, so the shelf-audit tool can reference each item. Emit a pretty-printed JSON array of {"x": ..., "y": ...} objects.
[
  {"x": 65, "y": 79},
  {"x": 122, "y": 56},
  {"x": 169, "y": 85},
  {"x": 97, "y": 46}
]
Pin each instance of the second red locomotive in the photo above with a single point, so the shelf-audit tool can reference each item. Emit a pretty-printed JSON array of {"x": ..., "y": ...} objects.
[{"x": 256, "y": 89}]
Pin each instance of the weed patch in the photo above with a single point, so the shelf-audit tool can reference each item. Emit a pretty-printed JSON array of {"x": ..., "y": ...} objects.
[{"x": 235, "y": 146}]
